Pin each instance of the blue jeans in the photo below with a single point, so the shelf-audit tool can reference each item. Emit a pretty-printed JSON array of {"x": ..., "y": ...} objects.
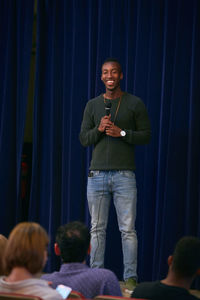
[{"x": 121, "y": 186}]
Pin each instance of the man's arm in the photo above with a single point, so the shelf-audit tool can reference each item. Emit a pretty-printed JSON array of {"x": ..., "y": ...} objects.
[
  {"x": 142, "y": 133},
  {"x": 90, "y": 132}
]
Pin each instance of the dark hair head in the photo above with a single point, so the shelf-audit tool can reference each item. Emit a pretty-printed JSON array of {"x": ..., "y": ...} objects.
[
  {"x": 73, "y": 240},
  {"x": 26, "y": 247},
  {"x": 112, "y": 59},
  {"x": 186, "y": 256}
]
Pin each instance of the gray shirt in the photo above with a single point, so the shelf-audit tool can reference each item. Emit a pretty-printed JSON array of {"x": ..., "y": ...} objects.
[
  {"x": 115, "y": 153},
  {"x": 32, "y": 286}
]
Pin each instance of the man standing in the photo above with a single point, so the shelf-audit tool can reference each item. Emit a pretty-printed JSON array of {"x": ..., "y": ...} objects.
[{"x": 114, "y": 123}]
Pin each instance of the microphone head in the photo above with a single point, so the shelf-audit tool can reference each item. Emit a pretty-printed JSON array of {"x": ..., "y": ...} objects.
[{"x": 108, "y": 106}]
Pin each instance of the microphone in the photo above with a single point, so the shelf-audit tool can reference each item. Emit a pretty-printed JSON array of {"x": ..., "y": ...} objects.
[{"x": 108, "y": 108}]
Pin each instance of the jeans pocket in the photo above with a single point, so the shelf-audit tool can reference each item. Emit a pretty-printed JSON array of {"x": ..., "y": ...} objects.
[
  {"x": 127, "y": 173},
  {"x": 93, "y": 174}
]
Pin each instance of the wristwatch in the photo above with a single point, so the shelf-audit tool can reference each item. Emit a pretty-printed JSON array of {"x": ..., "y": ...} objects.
[{"x": 122, "y": 133}]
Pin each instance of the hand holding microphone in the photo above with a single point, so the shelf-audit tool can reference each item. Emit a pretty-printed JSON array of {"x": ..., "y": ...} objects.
[
  {"x": 105, "y": 121},
  {"x": 108, "y": 106},
  {"x": 110, "y": 128}
]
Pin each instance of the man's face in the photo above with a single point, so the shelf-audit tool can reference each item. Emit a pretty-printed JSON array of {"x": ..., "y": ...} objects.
[{"x": 111, "y": 75}]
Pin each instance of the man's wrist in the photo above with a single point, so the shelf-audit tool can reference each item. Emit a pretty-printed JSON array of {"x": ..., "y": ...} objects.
[
  {"x": 122, "y": 133},
  {"x": 100, "y": 129}
]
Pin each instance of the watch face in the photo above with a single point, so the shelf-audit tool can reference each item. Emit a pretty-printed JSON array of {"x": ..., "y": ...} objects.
[{"x": 123, "y": 133}]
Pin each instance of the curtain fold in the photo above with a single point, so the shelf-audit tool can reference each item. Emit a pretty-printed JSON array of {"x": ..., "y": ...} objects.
[{"x": 16, "y": 21}]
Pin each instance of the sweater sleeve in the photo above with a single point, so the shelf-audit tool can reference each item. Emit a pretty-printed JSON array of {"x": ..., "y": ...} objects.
[
  {"x": 142, "y": 133},
  {"x": 89, "y": 134}
]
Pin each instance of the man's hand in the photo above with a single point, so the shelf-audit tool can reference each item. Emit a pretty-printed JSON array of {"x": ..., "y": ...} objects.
[
  {"x": 105, "y": 123},
  {"x": 113, "y": 130}
]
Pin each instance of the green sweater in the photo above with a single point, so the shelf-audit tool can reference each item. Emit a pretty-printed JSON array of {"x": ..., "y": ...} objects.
[{"x": 115, "y": 153}]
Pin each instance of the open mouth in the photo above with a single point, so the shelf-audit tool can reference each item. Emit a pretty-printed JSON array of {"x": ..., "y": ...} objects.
[{"x": 110, "y": 82}]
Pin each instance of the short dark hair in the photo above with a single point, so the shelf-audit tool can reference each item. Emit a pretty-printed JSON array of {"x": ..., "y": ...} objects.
[
  {"x": 186, "y": 256},
  {"x": 73, "y": 240},
  {"x": 112, "y": 59}
]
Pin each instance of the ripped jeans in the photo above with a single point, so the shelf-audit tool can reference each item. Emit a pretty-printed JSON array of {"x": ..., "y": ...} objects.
[{"x": 102, "y": 187}]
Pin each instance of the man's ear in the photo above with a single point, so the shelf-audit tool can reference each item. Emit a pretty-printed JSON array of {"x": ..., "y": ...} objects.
[
  {"x": 89, "y": 249},
  {"x": 198, "y": 272},
  {"x": 56, "y": 249},
  {"x": 121, "y": 76},
  {"x": 170, "y": 260}
]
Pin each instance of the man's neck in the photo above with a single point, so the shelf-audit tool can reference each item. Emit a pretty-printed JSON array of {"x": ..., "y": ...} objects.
[
  {"x": 17, "y": 274},
  {"x": 173, "y": 280},
  {"x": 113, "y": 94},
  {"x": 75, "y": 262}
]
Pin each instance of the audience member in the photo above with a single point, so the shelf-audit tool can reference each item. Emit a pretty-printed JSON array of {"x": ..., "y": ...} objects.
[
  {"x": 25, "y": 256},
  {"x": 73, "y": 245},
  {"x": 3, "y": 242},
  {"x": 184, "y": 266}
]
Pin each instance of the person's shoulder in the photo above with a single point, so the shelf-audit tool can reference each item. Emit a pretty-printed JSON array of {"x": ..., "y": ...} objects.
[
  {"x": 133, "y": 99},
  {"x": 101, "y": 270},
  {"x": 95, "y": 99},
  {"x": 103, "y": 273},
  {"x": 145, "y": 289},
  {"x": 35, "y": 281},
  {"x": 148, "y": 284},
  {"x": 48, "y": 276},
  {"x": 42, "y": 288},
  {"x": 158, "y": 290}
]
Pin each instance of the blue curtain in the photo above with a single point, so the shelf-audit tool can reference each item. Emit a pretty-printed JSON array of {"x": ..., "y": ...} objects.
[
  {"x": 158, "y": 45},
  {"x": 16, "y": 19},
  {"x": 157, "y": 42}
]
